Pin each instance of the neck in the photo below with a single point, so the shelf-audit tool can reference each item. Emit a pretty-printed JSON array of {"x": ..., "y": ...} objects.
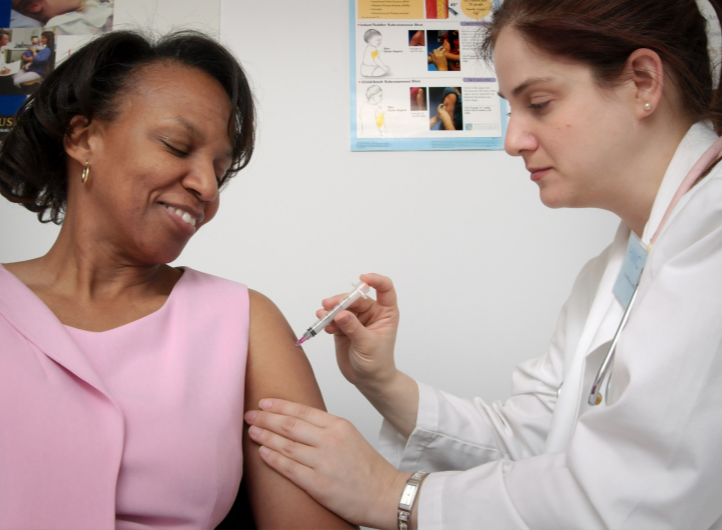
[
  {"x": 92, "y": 270},
  {"x": 642, "y": 176}
]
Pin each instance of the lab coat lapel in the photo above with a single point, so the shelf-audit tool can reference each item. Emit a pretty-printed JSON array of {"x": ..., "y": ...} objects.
[
  {"x": 599, "y": 329},
  {"x": 606, "y": 312},
  {"x": 34, "y": 320}
]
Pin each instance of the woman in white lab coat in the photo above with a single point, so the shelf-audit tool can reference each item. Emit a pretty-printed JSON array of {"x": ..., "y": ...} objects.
[{"x": 613, "y": 107}]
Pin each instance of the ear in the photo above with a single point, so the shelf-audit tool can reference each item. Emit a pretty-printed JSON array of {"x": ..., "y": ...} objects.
[
  {"x": 647, "y": 75},
  {"x": 79, "y": 141}
]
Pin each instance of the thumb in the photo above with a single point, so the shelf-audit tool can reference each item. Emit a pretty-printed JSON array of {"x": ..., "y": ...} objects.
[{"x": 349, "y": 324}]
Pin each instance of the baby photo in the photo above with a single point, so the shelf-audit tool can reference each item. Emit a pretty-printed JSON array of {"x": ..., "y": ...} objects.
[{"x": 66, "y": 17}]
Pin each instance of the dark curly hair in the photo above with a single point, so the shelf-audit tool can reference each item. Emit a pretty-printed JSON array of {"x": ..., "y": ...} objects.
[{"x": 91, "y": 83}]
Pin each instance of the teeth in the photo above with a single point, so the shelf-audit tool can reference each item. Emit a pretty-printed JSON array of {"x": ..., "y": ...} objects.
[{"x": 188, "y": 218}]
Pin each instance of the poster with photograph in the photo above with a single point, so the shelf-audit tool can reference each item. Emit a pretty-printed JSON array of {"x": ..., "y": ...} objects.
[
  {"x": 417, "y": 82},
  {"x": 35, "y": 35}
]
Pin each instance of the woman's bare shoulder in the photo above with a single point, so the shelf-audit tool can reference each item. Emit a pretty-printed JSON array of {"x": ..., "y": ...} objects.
[{"x": 276, "y": 366}]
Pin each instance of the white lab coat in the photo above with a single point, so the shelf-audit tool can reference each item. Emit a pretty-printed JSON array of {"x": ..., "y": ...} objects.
[{"x": 650, "y": 456}]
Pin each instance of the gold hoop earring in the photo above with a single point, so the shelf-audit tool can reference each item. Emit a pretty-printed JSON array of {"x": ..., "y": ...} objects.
[{"x": 86, "y": 173}]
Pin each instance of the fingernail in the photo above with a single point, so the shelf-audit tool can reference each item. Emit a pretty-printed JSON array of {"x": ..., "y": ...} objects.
[
  {"x": 254, "y": 431},
  {"x": 251, "y": 415},
  {"x": 265, "y": 404},
  {"x": 264, "y": 450}
]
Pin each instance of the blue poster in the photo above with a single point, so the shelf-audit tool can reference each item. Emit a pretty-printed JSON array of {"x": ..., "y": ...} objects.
[{"x": 417, "y": 82}]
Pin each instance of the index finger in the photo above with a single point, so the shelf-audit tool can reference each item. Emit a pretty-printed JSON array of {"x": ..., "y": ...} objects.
[{"x": 316, "y": 417}]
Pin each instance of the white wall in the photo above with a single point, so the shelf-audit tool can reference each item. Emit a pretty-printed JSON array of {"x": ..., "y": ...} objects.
[{"x": 482, "y": 268}]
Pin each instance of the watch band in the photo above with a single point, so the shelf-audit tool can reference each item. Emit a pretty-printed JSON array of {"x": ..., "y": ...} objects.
[{"x": 408, "y": 497}]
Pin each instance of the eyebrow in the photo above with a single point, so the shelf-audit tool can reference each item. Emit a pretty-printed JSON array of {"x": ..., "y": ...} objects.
[
  {"x": 526, "y": 84},
  {"x": 187, "y": 125},
  {"x": 195, "y": 132}
]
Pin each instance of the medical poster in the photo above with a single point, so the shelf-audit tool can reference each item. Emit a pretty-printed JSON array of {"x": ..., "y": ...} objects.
[
  {"x": 35, "y": 36},
  {"x": 417, "y": 82}
]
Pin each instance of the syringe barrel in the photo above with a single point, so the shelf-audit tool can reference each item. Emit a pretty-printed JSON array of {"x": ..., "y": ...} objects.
[{"x": 361, "y": 289}]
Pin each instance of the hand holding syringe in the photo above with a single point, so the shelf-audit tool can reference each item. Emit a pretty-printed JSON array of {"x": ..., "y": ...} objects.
[{"x": 359, "y": 290}]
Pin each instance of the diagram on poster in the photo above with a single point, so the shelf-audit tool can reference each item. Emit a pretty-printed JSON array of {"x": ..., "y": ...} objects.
[{"x": 417, "y": 82}]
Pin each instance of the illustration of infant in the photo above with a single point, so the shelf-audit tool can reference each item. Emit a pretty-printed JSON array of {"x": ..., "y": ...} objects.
[{"x": 371, "y": 64}]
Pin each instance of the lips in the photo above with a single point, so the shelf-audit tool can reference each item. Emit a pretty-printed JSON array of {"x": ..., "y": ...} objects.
[
  {"x": 188, "y": 217},
  {"x": 538, "y": 173}
]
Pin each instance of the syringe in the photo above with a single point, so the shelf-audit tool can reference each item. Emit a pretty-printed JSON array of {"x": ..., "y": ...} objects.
[{"x": 360, "y": 289}]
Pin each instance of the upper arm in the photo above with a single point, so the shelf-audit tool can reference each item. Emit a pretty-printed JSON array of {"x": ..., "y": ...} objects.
[
  {"x": 277, "y": 368},
  {"x": 449, "y": 102}
]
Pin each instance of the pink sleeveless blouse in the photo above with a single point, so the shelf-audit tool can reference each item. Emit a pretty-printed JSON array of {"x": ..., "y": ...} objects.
[{"x": 176, "y": 378}]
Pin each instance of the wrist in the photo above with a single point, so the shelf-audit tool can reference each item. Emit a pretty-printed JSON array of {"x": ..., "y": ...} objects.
[
  {"x": 407, "y": 512},
  {"x": 387, "y": 504},
  {"x": 380, "y": 384},
  {"x": 396, "y": 400}
]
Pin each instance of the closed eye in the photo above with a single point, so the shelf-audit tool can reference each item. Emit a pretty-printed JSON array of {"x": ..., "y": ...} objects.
[
  {"x": 538, "y": 106},
  {"x": 175, "y": 151}
]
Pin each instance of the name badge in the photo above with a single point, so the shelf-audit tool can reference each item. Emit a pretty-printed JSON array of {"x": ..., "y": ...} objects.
[{"x": 628, "y": 278}]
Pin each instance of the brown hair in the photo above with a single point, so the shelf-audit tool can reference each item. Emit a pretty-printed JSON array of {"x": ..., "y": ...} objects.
[{"x": 603, "y": 33}]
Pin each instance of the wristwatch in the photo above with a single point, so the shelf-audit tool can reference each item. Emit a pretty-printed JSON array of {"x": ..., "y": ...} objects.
[{"x": 408, "y": 497}]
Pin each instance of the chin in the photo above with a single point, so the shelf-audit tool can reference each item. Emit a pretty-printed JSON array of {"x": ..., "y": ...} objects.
[
  {"x": 161, "y": 254},
  {"x": 553, "y": 200},
  {"x": 169, "y": 256}
]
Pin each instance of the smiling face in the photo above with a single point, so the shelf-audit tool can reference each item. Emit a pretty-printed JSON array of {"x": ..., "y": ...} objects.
[
  {"x": 154, "y": 169},
  {"x": 575, "y": 137}
]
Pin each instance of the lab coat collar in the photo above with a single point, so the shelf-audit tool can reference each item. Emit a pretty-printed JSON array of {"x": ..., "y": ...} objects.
[
  {"x": 606, "y": 313},
  {"x": 697, "y": 140},
  {"x": 39, "y": 325}
]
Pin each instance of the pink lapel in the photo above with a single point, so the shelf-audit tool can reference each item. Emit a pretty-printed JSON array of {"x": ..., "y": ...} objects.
[{"x": 34, "y": 320}]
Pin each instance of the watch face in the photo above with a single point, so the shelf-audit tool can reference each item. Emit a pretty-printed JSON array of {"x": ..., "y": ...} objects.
[{"x": 408, "y": 494}]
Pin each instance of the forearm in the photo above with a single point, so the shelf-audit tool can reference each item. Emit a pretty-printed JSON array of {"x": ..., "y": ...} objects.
[
  {"x": 448, "y": 123},
  {"x": 396, "y": 400}
]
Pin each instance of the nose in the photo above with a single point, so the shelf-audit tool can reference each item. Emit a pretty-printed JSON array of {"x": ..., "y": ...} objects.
[
  {"x": 518, "y": 137},
  {"x": 201, "y": 181}
]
